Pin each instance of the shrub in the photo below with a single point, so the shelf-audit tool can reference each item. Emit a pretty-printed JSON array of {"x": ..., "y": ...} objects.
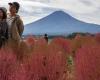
[{"x": 87, "y": 63}]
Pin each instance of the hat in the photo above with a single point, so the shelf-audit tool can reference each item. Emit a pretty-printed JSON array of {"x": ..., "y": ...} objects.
[
  {"x": 15, "y": 4},
  {"x": 4, "y": 9}
]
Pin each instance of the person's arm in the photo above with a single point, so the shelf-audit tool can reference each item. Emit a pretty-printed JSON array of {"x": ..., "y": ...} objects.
[
  {"x": 7, "y": 34},
  {"x": 6, "y": 31},
  {"x": 20, "y": 26}
]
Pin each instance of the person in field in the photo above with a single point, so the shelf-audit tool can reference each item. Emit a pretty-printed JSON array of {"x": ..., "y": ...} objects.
[
  {"x": 46, "y": 37},
  {"x": 3, "y": 26},
  {"x": 14, "y": 21}
]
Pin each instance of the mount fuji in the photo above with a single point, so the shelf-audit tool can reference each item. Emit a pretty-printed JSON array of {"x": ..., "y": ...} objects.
[{"x": 59, "y": 23}]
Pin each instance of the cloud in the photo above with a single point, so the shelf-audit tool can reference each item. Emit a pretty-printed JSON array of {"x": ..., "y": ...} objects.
[
  {"x": 85, "y": 10},
  {"x": 76, "y": 6},
  {"x": 31, "y": 9}
]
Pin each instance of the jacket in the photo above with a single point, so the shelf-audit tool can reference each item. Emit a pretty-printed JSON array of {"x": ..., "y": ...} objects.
[
  {"x": 16, "y": 29},
  {"x": 3, "y": 32}
]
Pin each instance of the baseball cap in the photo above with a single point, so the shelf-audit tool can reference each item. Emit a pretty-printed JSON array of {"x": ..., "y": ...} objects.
[{"x": 15, "y": 4}]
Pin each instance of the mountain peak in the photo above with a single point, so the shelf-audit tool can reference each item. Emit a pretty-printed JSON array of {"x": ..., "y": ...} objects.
[{"x": 60, "y": 11}]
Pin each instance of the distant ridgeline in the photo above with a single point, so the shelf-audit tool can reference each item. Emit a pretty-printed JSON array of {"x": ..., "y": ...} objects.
[
  {"x": 73, "y": 35},
  {"x": 70, "y": 36}
]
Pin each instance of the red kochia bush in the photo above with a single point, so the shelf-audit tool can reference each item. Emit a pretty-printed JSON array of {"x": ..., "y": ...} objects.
[
  {"x": 47, "y": 62},
  {"x": 97, "y": 37},
  {"x": 36, "y": 63},
  {"x": 63, "y": 43},
  {"x": 87, "y": 63},
  {"x": 57, "y": 62},
  {"x": 20, "y": 72},
  {"x": 30, "y": 41},
  {"x": 7, "y": 61}
]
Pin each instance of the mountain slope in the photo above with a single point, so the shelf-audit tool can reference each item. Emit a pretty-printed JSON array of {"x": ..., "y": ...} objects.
[{"x": 59, "y": 22}]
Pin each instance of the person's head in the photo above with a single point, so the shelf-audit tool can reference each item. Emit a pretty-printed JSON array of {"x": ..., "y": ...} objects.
[
  {"x": 14, "y": 7},
  {"x": 45, "y": 35},
  {"x": 3, "y": 13}
]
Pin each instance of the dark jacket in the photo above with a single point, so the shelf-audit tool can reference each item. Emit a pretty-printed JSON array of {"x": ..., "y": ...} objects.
[{"x": 3, "y": 32}]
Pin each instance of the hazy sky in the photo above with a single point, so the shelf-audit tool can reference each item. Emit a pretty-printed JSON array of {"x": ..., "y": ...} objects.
[{"x": 31, "y": 10}]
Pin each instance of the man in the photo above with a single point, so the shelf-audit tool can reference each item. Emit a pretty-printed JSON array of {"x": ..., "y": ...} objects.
[{"x": 14, "y": 21}]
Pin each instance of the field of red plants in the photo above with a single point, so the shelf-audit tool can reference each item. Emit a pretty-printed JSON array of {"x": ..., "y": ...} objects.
[{"x": 59, "y": 59}]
